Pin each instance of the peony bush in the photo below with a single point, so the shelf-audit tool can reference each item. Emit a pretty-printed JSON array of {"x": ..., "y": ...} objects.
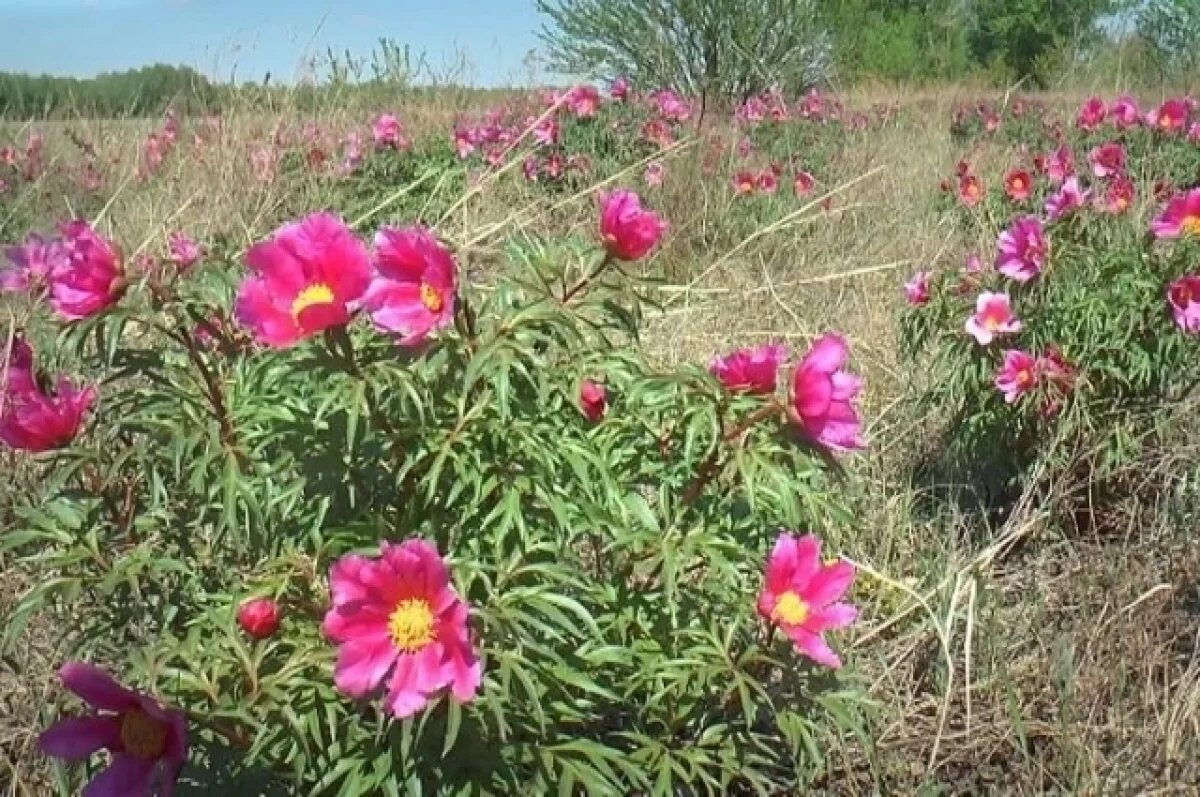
[
  {"x": 336, "y": 515},
  {"x": 1065, "y": 337}
]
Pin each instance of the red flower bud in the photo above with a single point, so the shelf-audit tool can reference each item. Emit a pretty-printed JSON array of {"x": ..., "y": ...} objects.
[
  {"x": 593, "y": 400},
  {"x": 259, "y": 617}
]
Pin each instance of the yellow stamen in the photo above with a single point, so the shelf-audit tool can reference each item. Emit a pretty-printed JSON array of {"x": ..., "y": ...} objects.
[
  {"x": 431, "y": 298},
  {"x": 143, "y": 736},
  {"x": 320, "y": 293},
  {"x": 1191, "y": 226},
  {"x": 411, "y": 625},
  {"x": 1024, "y": 378},
  {"x": 790, "y": 609}
]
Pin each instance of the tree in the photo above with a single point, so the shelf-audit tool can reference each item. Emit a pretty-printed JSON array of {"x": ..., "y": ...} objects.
[
  {"x": 716, "y": 48},
  {"x": 1023, "y": 36},
  {"x": 1172, "y": 29},
  {"x": 898, "y": 39}
]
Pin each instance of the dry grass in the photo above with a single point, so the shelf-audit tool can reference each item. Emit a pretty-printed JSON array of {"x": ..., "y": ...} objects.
[{"x": 1011, "y": 660}]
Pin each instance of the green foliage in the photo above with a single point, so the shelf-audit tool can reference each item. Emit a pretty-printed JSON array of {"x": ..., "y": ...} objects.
[
  {"x": 611, "y": 567},
  {"x": 917, "y": 39},
  {"x": 1101, "y": 301},
  {"x": 1172, "y": 30},
  {"x": 147, "y": 91},
  {"x": 727, "y": 49}
]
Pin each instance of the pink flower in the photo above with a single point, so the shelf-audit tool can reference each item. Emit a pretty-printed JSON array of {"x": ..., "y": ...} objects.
[
  {"x": 583, "y": 101},
  {"x": 182, "y": 250},
  {"x": 413, "y": 292},
  {"x": 1108, "y": 160},
  {"x": 87, "y": 278},
  {"x": 802, "y": 596},
  {"x": 1060, "y": 165},
  {"x": 745, "y": 183},
  {"x": 546, "y": 132},
  {"x": 1018, "y": 185},
  {"x": 389, "y": 133},
  {"x": 620, "y": 89},
  {"x": 263, "y": 162},
  {"x": 1184, "y": 297},
  {"x": 146, "y": 741},
  {"x": 1022, "y": 250},
  {"x": 916, "y": 290},
  {"x": 1125, "y": 113},
  {"x": 306, "y": 279},
  {"x": 628, "y": 231},
  {"x": 32, "y": 263},
  {"x": 32, "y": 419},
  {"x": 1170, "y": 117},
  {"x": 754, "y": 371},
  {"x": 1091, "y": 115},
  {"x": 530, "y": 167},
  {"x": 993, "y": 316},
  {"x": 973, "y": 264},
  {"x": 768, "y": 181},
  {"x": 1066, "y": 200},
  {"x": 259, "y": 618},
  {"x": 1118, "y": 196},
  {"x": 654, "y": 174},
  {"x": 1180, "y": 217},
  {"x": 397, "y": 617},
  {"x": 803, "y": 184},
  {"x": 823, "y": 395},
  {"x": 1018, "y": 375},
  {"x": 593, "y": 400},
  {"x": 970, "y": 190},
  {"x": 1056, "y": 369}
]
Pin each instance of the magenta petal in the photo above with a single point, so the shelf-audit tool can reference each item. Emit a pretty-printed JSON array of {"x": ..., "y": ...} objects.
[
  {"x": 362, "y": 665},
  {"x": 96, "y": 687},
  {"x": 833, "y": 616},
  {"x": 815, "y": 647},
  {"x": 127, "y": 776},
  {"x": 430, "y": 670},
  {"x": 830, "y": 584},
  {"x": 76, "y": 738},
  {"x": 812, "y": 392},
  {"x": 404, "y": 699},
  {"x": 828, "y": 353}
]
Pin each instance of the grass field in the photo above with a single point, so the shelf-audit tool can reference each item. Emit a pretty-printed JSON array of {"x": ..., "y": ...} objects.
[{"x": 1003, "y": 655}]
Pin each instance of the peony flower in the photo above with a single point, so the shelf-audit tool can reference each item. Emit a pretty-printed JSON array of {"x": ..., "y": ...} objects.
[
  {"x": 745, "y": 183},
  {"x": 970, "y": 190},
  {"x": 593, "y": 400},
  {"x": 1118, "y": 196},
  {"x": 1060, "y": 165},
  {"x": 654, "y": 174},
  {"x": 389, "y": 133},
  {"x": 146, "y": 741},
  {"x": 1018, "y": 375},
  {"x": 803, "y": 184},
  {"x": 973, "y": 264},
  {"x": 628, "y": 231},
  {"x": 619, "y": 90},
  {"x": 823, "y": 396},
  {"x": 1091, "y": 115},
  {"x": 87, "y": 278},
  {"x": 546, "y": 132},
  {"x": 1124, "y": 112},
  {"x": 1184, "y": 297},
  {"x": 1066, "y": 200},
  {"x": 259, "y": 618},
  {"x": 396, "y": 617},
  {"x": 1180, "y": 217},
  {"x": 307, "y": 278},
  {"x": 31, "y": 262},
  {"x": 1108, "y": 160},
  {"x": 1170, "y": 117},
  {"x": 413, "y": 292},
  {"x": 583, "y": 101},
  {"x": 993, "y": 316},
  {"x": 30, "y": 418},
  {"x": 916, "y": 290},
  {"x": 753, "y": 370},
  {"x": 768, "y": 181},
  {"x": 1021, "y": 250},
  {"x": 1018, "y": 185},
  {"x": 802, "y": 596},
  {"x": 182, "y": 250}
]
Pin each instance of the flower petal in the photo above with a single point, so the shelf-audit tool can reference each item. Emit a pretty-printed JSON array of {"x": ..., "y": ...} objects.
[
  {"x": 76, "y": 738},
  {"x": 96, "y": 687},
  {"x": 125, "y": 777}
]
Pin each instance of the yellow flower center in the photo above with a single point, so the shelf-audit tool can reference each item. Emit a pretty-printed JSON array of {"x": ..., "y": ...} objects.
[
  {"x": 1024, "y": 378},
  {"x": 1165, "y": 122},
  {"x": 790, "y": 609},
  {"x": 431, "y": 298},
  {"x": 972, "y": 190},
  {"x": 320, "y": 293},
  {"x": 143, "y": 736},
  {"x": 411, "y": 625},
  {"x": 1018, "y": 184},
  {"x": 1191, "y": 226},
  {"x": 991, "y": 324}
]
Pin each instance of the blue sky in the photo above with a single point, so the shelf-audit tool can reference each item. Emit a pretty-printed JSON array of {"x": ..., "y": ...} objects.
[{"x": 250, "y": 37}]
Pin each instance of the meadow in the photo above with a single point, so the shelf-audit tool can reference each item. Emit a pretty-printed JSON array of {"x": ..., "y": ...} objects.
[{"x": 1025, "y": 570}]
